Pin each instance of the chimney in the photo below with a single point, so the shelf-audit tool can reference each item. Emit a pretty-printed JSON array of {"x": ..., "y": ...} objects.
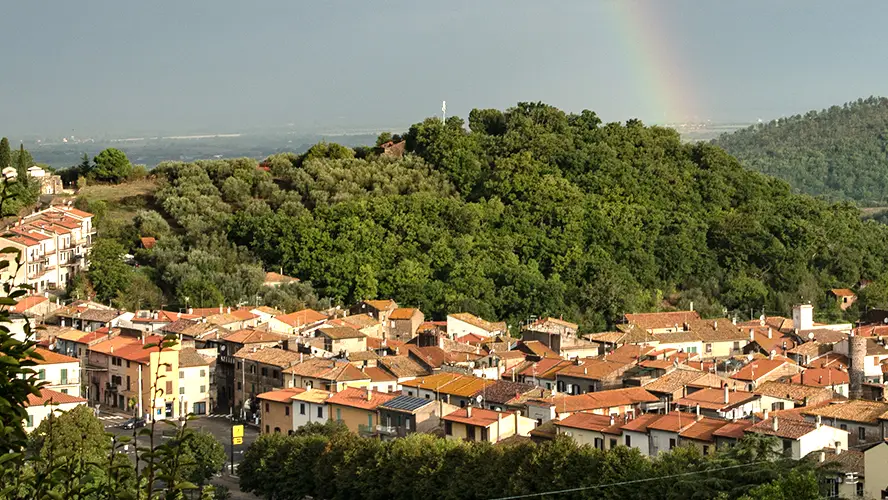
[
  {"x": 229, "y": 309},
  {"x": 691, "y": 306},
  {"x": 300, "y": 357},
  {"x": 585, "y": 370},
  {"x": 612, "y": 420},
  {"x": 220, "y": 308},
  {"x": 839, "y": 448},
  {"x": 190, "y": 310},
  {"x": 771, "y": 355},
  {"x": 699, "y": 417},
  {"x": 817, "y": 421},
  {"x": 770, "y": 333},
  {"x": 468, "y": 412},
  {"x": 727, "y": 395},
  {"x": 822, "y": 456},
  {"x": 775, "y": 425},
  {"x": 751, "y": 334},
  {"x": 369, "y": 393},
  {"x": 762, "y": 320},
  {"x": 734, "y": 320},
  {"x": 765, "y": 414}
]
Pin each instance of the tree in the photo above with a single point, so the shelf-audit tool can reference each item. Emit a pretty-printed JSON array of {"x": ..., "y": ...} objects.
[
  {"x": 5, "y": 153},
  {"x": 22, "y": 160},
  {"x": 151, "y": 223},
  {"x": 85, "y": 167},
  {"x": 365, "y": 283},
  {"x": 207, "y": 453},
  {"x": 108, "y": 272},
  {"x": 76, "y": 432},
  {"x": 111, "y": 165}
]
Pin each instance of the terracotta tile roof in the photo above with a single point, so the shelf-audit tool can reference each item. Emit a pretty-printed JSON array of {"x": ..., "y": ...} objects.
[
  {"x": 794, "y": 392},
  {"x": 272, "y": 277},
  {"x": 673, "y": 381},
  {"x": 703, "y": 429},
  {"x": 542, "y": 322},
  {"x": 357, "y": 398},
  {"x": 178, "y": 325},
  {"x": 48, "y": 396},
  {"x": 360, "y": 321},
  {"x": 714, "y": 399},
  {"x": 874, "y": 348},
  {"x": 786, "y": 428},
  {"x": 433, "y": 356},
  {"x": 777, "y": 322},
  {"x": 72, "y": 335},
  {"x": 378, "y": 343},
  {"x": 824, "y": 336},
  {"x": 537, "y": 348},
  {"x": 52, "y": 357},
  {"x": 673, "y": 422},
  {"x": 72, "y": 211},
  {"x": 251, "y": 336},
  {"x": 600, "y": 400},
  {"x": 479, "y": 417},
  {"x": 269, "y": 356},
  {"x": 717, "y": 330},
  {"x": 606, "y": 337},
  {"x": 242, "y": 314},
  {"x": 585, "y": 421},
  {"x": 317, "y": 396},
  {"x": 268, "y": 310},
  {"x": 628, "y": 353},
  {"x": 821, "y": 377},
  {"x": 28, "y": 302},
  {"x": 327, "y": 369},
  {"x": 471, "y": 338},
  {"x": 148, "y": 242},
  {"x": 592, "y": 369},
  {"x": 757, "y": 369},
  {"x": 845, "y": 462},
  {"x": 403, "y": 313},
  {"x": 842, "y": 292},
  {"x": 340, "y": 333},
  {"x": 678, "y": 337},
  {"x": 779, "y": 341},
  {"x": 402, "y": 366},
  {"x": 809, "y": 349},
  {"x": 377, "y": 374},
  {"x": 281, "y": 395},
  {"x": 655, "y": 321},
  {"x": 129, "y": 348},
  {"x": 734, "y": 430},
  {"x": 363, "y": 356},
  {"x": 856, "y": 410},
  {"x": 382, "y": 305},
  {"x": 223, "y": 319},
  {"x": 432, "y": 382},
  {"x": 189, "y": 356},
  {"x": 537, "y": 368},
  {"x": 301, "y": 318},
  {"x": 641, "y": 422},
  {"x": 503, "y": 391},
  {"x": 480, "y": 323},
  {"x": 659, "y": 364}
]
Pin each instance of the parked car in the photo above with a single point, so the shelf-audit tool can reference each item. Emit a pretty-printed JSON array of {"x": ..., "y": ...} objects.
[{"x": 133, "y": 423}]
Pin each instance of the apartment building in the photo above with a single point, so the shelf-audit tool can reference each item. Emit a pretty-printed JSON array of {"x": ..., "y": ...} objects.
[
  {"x": 54, "y": 244},
  {"x": 59, "y": 372}
]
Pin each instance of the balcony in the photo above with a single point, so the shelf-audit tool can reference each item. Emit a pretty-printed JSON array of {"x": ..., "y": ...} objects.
[{"x": 366, "y": 431}]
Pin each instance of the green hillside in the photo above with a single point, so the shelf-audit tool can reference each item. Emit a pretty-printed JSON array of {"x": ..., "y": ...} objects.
[
  {"x": 527, "y": 211},
  {"x": 840, "y": 153}
]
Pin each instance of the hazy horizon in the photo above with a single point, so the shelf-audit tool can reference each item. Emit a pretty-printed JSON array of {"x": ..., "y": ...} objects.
[{"x": 105, "y": 68}]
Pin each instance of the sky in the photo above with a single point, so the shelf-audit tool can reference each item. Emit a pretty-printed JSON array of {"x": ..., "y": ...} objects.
[{"x": 221, "y": 66}]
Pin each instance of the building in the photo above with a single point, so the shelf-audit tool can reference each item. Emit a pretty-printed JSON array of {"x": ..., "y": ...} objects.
[
  {"x": 275, "y": 280},
  {"x": 478, "y": 424},
  {"x": 258, "y": 371},
  {"x": 630, "y": 401},
  {"x": 376, "y": 309},
  {"x": 404, "y": 323},
  {"x": 833, "y": 379},
  {"x": 60, "y": 373},
  {"x": 125, "y": 374},
  {"x": 195, "y": 381},
  {"x": 40, "y": 407},
  {"x": 661, "y": 322},
  {"x": 342, "y": 339},
  {"x": 461, "y": 324},
  {"x": 453, "y": 388},
  {"x": 327, "y": 374},
  {"x": 309, "y": 407},
  {"x": 382, "y": 380},
  {"x": 590, "y": 375},
  {"x": 764, "y": 370},
  {"x": 777, "y": 396},
  {"x": 799, "y": 438},
  {"x": 54, "y": 245},
  {"x": 721, "y": 403},
  {"x": 599, "y": 431},
  {"x": 404, "y": 415},
  {"x": 227, "y": 345},
  {"x": 844, "y": 297},
  {"x": 275, "y": 408},
  {"x": 862, "y": 419},
  {"x": 875, "y": 460},
  {"x": 358, "y": 408},
  {"x": 297, "y": 323}
]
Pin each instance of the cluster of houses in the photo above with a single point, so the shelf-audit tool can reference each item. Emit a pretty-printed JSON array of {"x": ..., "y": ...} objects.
[{"x": 658, "y": 381}]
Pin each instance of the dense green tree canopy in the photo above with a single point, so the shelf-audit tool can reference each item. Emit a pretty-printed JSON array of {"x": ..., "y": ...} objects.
[
  {"x": 5, "y": 153},
  {"x": 530, "y": 211},
  {"x": 111, "y": 165},
  {"x": 840, "y": 153}
]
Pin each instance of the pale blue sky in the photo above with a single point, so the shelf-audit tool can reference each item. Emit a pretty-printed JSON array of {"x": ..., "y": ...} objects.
[{"x": 117, "y": 68}]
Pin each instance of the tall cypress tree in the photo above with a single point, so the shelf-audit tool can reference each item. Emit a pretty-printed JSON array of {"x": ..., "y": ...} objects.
[
  {"x": 5, "y": 153},
  {"x": 22, "y": 165}
]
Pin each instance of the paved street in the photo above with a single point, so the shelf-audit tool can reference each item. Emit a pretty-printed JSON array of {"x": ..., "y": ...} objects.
[{"x": 220, "y": 427}]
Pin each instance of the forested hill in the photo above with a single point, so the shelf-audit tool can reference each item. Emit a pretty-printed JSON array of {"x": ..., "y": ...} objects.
[
  {"x": 840, "y": 153},
  {"x": 527, "y": 211}
]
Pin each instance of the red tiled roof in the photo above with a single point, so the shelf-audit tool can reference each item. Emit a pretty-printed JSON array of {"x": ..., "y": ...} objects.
[
  {"x": 357, "y": 398},
  {"x": 842, "y": 292},
  {"x": 148, "y": 242},
  {"x": 786, "y": 428},
  {"x": 28, "y": 302},
  {"x": 733, "y": 430},
  {"x": 250, "y": 336},
  {"x": 714, "y": 399},
  {"x": 272, "y": 277},
  {"x": 377, "y": 374},
  {"x": 673, "y": 422},
  {"x": 703, "y": 429},
  {"x": 48, "y": 396},
  {"x": 586, "y": 421},
  {"x": 757, "y": 369},
  {"x": 402, "y": 313},
  {"x": 301, "y": 318},
  {"x": 479, "y": 416},
  {"x": 821, "y": 377},
  {"x": 52, "y": 357},
  {"x": 656, "y": 321},
  {"x": 641, "y": 422},
  {"x": 281, "y": 395}
]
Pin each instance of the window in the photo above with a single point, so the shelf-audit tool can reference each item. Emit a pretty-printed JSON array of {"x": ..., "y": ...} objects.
[
  {"x": 267, "y": 408},
  {"x": 409, "y": 393},
  {"x": 787, "y": 447},
  {"x": 448, "y": 427},
  {"x": 390, "y": 388},
  {"x": 599, "y": 443},
  {"x": 64, "y": 376},
  {"x": 287, "y": 411},
  {"x": 628, "y": 440},
  {"x": 203, "y": 373},
  {"x": 64, "y": 391},
  {"x": 484, "y": 434},
  {"x": 339, "y": 414},
  {"x": 470, "y": 433},
  {"x": 462, "y": 404},
  {"x": 169, "y": 366},
  {"x": 708, "y": 348},
  {"x": 320, "y": 412},
  {"x": 302, "y": 408},
  {"x": 671, "y": 443},
  {"x": 736, "y": 346},
  {"x": 30, "y": 421},
  {"x": 127, "y": 382},
  {"x": 264, "y": 371},
  {"x": 169, "y": 387},
  {"x": 844, "y": 427},
  {"x": 182, "y": 390},
  {"x": 276, "y": 374},
  {"x": 181, "y": 373},
  {"x": 705, "y": 449},
  {"x": 861, "y": 433},
  {"x": 267, "y": 429},
  {"x": 239, "y": 386},
  {"x": 127, "y": 364},
  {"x": 203, "y": 389},
  {"x": 428, "y": 397},
  {"x": 252, "y": 368},
  {"x": 370, "y": 420},
  {"x": 860, "y": 488},
  {"x": 407, "y": 423},
  {"x": 613, "y": 443},
  {"x": 777, "y": 406}
]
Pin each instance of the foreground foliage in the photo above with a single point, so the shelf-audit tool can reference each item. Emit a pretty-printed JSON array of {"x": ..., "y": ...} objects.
[{"x": 328, "y": 462}]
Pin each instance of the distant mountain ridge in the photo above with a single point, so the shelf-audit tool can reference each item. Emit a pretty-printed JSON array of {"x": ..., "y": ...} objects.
[{"x": 840, "y": 153}]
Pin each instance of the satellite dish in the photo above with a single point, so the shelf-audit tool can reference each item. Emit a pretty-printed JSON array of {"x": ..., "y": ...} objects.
[
  {"x": 811, "y": 336},
  {"x": 479, "y": 398},
  {"x": 885, "y": 320}
]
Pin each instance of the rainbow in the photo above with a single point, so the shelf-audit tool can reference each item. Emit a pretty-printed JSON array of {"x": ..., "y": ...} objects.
[{"x": 659, "y": 73}]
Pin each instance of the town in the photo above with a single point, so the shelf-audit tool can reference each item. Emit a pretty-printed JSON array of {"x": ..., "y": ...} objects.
[{"x": 658, "y": 381}]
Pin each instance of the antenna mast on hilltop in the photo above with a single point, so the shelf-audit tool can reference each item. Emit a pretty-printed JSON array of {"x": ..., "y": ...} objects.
[{"x": 443, "y": 111}]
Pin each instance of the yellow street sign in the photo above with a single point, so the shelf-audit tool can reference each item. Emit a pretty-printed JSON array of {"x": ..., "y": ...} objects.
[
  {"x": 237, "y": 440},
  {"x": 237, "y": 431}
]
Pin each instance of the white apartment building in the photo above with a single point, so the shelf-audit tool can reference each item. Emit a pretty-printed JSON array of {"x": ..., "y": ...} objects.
[
  {"x": 54, "y": 245},
  {"x": 60, "y": 373}
]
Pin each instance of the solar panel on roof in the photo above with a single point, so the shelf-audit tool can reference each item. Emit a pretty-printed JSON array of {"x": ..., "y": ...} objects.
[{"x": 406, "y": 403}]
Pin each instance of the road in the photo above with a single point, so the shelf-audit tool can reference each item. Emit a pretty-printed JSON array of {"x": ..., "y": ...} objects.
[{"x": 219, "y": 427}]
